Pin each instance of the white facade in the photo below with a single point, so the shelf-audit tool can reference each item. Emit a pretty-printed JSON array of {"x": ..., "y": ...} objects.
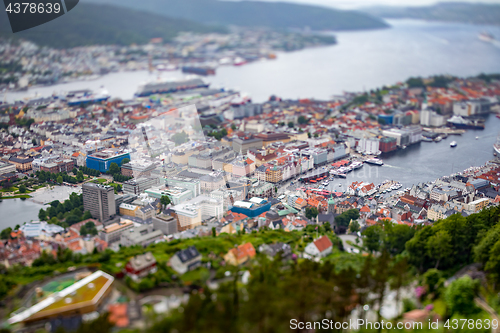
[{"x": 369, "y": 146}]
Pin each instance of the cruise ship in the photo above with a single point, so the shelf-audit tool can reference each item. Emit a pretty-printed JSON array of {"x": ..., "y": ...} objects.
[
  {"x": 169, "y": 86},
  {"x": 496, "y": 146},
  {"x": 86, "y": 97},
  {"x": 459, "y": 122}
]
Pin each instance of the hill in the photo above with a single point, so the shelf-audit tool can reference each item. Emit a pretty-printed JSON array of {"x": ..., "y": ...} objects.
[
  {"x": 257, "y": 14},
  {"x": 90, "y": 24},
  {"x": 445, "y": 12}
]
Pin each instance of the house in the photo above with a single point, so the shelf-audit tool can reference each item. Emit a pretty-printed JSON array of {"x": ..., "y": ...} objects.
[
  {"x": 271, "y": 250},
  {"x": 319, "y": 248},
  {"x": 186, "y": 260},
  {"x": 240, "y": 255},
  {"x": 141, "y": 266}
]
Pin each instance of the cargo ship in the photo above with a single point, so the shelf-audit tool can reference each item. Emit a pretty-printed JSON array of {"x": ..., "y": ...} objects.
[
  {"x": 201, "y": 70},
  {"x": 459, "y": 122},
  {"x": 169, "y": 86}
]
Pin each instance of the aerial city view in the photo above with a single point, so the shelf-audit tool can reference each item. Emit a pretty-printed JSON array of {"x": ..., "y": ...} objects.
[{"x": 249, "y": 166}]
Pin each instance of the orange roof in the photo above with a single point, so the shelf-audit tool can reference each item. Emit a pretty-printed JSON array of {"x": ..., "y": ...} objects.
[
  {"x": 365, "y": 209},
  {"x": 244, "y": 250},
  {"x": 118, "y": 314},
  {"x": 323, "y": 243}
]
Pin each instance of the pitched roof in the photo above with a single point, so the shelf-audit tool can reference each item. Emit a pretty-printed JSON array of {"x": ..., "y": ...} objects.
[{"x": 323, "y": 243}]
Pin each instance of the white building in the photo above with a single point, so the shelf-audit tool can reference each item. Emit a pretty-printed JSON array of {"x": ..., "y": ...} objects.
[{"x": 369, "y": 146}]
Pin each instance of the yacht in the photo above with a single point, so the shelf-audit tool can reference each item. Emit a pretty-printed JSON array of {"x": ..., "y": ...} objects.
[
  {"x": 453, "y": 144},
  {"x": 374, "y": 161}
]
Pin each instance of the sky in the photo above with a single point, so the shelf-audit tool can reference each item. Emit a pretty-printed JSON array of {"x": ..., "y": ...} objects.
[{"x": 355, "y": 4}]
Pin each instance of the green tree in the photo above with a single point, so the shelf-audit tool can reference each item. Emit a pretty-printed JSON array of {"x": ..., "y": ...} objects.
[
  {"x": 354, "y": 226},
  {"x": 114, "y": 169},
  {"x": 22, "y": 188},
  {"x": 59, "y": 179},
  {"x": 459, "y": 296},
  {"x": 125, "y": 161},
  {"x": 431, "y": 279},
  {"x": 87, "y": 215},
  {"x": 373, "y": 238},
  {"x": 493, "y": 264},
  {"x": 415, "y": 82},
  {"x": 439, "y": 246},
  {"x": 33, "y": 141},
  {"x": 79, "y": 176},
  {"x": 291, "y": 124},
  {"x": 165, "y": 201},
  {"x": 5, "y": 233},
  {"x": 302, "y": 120},
  {"x": 42, "y": 216},
  {"x": 311, "y": 213}
]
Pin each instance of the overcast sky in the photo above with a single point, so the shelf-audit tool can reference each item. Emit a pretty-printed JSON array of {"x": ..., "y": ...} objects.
[{"x": 353, "y": 4}]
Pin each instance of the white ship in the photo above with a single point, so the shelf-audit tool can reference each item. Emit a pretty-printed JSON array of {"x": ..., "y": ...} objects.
[
  {"x": 486, "y": 37},
  {"x": 496, "y": 146}
]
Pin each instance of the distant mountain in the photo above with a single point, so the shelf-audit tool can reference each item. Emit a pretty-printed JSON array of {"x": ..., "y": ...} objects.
[
  {"x": 90, "y": 24},
  {"x": 447, "y": 12},
  {"x": 256, "y": 14}
]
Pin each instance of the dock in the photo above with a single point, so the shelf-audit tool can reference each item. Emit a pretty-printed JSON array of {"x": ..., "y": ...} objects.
[{"x": 445, "y": 130}]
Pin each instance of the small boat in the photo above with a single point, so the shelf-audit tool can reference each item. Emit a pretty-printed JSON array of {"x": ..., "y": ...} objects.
[
  {"x": 439, "y": 138},
  {"x": 453, "y": 144},
  {"x": 477, "y": 137}
]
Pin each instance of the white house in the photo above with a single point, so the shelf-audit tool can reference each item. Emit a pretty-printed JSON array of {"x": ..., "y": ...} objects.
[{"x": 319, "y": 248}]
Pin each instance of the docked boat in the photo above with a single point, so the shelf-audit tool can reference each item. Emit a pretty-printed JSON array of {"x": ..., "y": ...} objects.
[
  {"x": 374, "y": 161},
  {"x": 426, "y": 139},
  {"x": 460, "y": 122},
  {"x": 439, "y": 138},
  {"x": 356, "y": 165},
  {"x": 169, "y": 86},
  {"x": 453, "y": 144}
]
